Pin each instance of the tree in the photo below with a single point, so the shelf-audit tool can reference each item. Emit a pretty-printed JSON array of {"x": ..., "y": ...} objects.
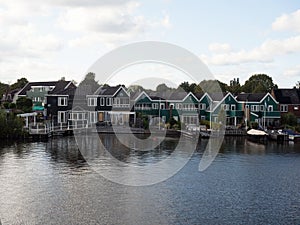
[
  {"x": 19, "y": 84},
  {"x": 289, "y": 119},
  {"x": 162, "y": 88},
  {"x": 3, "y": 89},
  {"x": 89, "y": 81},
  {"x": 24, "y": 104},
  {"x": 259, "y": 83},
  {"x": 185, "y": 86},
  {"x": 213, "y": 86}
]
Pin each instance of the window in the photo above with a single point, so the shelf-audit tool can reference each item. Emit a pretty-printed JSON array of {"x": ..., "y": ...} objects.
[
  {"x": 117, "y": 102},
  {"x": 92, "y": 101},
  {"x": 283, "y": 108},
  {"x": 270, "y": 108},
  {"x": 255, "y": 108},
  {"x": 154, "y": 106},
  {"x": 171, "y": 106},
  {"x": 162, "y": 106},
  {"x": 203, "y": 106},
  {"x": 61, "y": 117},
  {"x": 262, "y": 108},
  {"x": 109, "y": 101},
  {"x": 102, "y": 101},
  {"x": 225, "y": 107},
  {"x": 178, "y": 106},
  {"x": 92, "y": 117},
  {"x": 296, "y": 108},
  {"x": 203, "y": 118},
  {"x": 62, "y": 101},
  {"x": 77, "y": 116},
  {"x": 232, "y": 107}
]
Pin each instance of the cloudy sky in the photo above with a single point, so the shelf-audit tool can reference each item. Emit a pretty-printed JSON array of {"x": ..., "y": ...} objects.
[{"x": 50, "y": 39}]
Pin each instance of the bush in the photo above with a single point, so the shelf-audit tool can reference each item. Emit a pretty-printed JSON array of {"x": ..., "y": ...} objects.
[
  {"x": 289, "y": 119},
  {"x": 11, "y": 126}
]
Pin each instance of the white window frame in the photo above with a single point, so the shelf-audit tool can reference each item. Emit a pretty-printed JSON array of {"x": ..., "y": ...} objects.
[
  {"x": 102, "y": 101},
  {"x": 162, "y": 106},
  {"x": 62, "y": 101},
  {"x": 232, "y": 107},
  {"x": 92, "y": 101},
  {"x": 283, "y": 108},
  {"x": 178, "y": 106},
  {"x": 270, "y": 108},
  {"x": 255, "y": 108},
  {"x": 117, "y": 102},
  {"x": 154, "y": 106},
  {"x": 61, "y": 116},
  {"x": 109, "y": 101},
  {"x": 262, "y": 108},
  {"x": 93, "y": 117},
  {"x": 225, "y": 107},
  {"x": 203, "y": 106}
]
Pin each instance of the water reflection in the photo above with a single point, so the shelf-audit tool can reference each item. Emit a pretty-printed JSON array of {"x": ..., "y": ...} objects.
[{"x": 50, "y": 183}]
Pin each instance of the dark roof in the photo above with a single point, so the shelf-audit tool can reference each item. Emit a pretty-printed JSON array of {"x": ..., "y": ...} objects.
[
  {"x": 287, "y": 96},
  {"x": 104, "y": 90},
  {"x": 199, "y": 95},
  {"x": 217, "y": 96},
  {"x": 250, "y": 97},
  {"x": 62, "y": 87},
  {"x": 28, "y": 86}
]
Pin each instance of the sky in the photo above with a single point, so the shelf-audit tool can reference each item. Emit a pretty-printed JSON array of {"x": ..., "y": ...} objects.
[{"x": 50, "y": 39}]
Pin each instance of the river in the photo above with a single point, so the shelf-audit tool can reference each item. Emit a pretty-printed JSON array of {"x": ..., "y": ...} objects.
[{"x": 247, "y": 183}]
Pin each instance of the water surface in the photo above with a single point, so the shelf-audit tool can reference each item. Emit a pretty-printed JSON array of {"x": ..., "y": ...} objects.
[{"x": 50, "y": 183}]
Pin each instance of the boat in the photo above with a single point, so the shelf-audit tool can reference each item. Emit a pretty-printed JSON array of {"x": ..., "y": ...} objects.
[
  {"x": 257, "y": 135},
  {"x": 293, "y": 136},
  {"x": 277, "y": 135}
]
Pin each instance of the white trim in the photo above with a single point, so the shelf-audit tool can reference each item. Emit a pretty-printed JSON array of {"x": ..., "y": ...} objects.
[
  {"x": 205, "y": 94},
  {"x": 121, "y": 87},
  {"x": 190, "y": 93},
  {"x": 220, "y": 102},
  {"x": 59, "y": 103},
  {"x": 143, "y": 92}
]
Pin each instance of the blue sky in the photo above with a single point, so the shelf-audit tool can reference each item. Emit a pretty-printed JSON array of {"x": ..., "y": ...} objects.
[{"x": 55, "y": 38}]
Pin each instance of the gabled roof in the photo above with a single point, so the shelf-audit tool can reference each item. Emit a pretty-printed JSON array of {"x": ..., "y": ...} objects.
[
  {"x": 216, "y": 104},
  {"x": 108, "y": 91},
  {"x": 203, "y": 96},
  {"x": 250, "y": 97},
  {"x": 63, "y": 87},
  {"x": 28, "y": 86},
  {"x": 141, "y": 94},
  {"x": 287, "y": 96}
]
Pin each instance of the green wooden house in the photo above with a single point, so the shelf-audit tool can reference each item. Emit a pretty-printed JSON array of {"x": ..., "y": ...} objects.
[{"x": 260, "y": 108}]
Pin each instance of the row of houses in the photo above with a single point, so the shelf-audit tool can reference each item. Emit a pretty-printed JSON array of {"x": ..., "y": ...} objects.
[{"x": 63, "y": 103}]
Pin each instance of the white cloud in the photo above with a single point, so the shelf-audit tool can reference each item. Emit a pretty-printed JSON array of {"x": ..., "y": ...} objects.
[
  {"x": 219, "y": 47},
  {"x": 264, "y": 53},
  {"x": 108, "y": 24},
  {"x": 287, "y": 22},
  {"x": 292, "y": 72}
]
